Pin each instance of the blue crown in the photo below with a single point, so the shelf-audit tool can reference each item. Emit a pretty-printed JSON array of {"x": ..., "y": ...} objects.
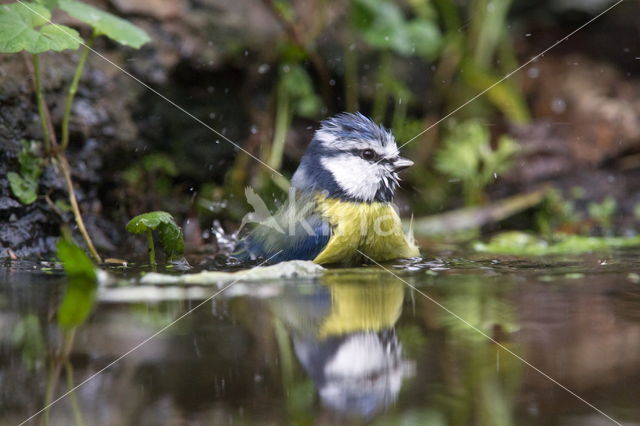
[{"x": 355, "y": 126}]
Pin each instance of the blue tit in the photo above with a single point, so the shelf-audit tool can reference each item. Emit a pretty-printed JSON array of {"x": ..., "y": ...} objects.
[{"x": 343, "y": 206}]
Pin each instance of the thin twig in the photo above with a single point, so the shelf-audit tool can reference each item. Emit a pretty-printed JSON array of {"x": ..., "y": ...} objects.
[{"x": 63, "y": 164}]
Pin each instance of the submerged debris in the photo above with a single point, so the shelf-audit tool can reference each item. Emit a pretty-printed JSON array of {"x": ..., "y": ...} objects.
[{"x": 292, "y": 269}]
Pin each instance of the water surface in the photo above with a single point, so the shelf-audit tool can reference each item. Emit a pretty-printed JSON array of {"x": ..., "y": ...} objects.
[{"x": 354, "y": 346}]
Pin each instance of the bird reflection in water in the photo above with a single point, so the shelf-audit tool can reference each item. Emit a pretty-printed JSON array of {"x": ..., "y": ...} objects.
[{"x": 344, "y": 337}]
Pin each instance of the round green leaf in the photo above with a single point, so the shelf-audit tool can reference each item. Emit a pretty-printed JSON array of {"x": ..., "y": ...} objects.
[
  {"x": 148, "y": 221},
  {"x": 19, "y": 30},
  {"x": 104, "y": 23},
  {"x": 170, "y": 234}
]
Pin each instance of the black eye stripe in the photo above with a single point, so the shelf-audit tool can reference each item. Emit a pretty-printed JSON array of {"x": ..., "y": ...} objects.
[{"x": 367, "y": 154}]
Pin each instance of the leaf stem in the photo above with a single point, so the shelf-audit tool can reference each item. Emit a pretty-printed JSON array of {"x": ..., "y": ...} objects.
[
  {"x": 283, "y": 119},
  {"x": 75, "y": 407},
  {"x": 41, "y": 106},
  {"x": 351, "y": 78},
  {"x": 152, "y": 249},
  {"x": 73, "y": 88},
  {"x": 381, "y": 96},
  {"x": 66, "y": 172},
  {"x": 282, "y": 124}
]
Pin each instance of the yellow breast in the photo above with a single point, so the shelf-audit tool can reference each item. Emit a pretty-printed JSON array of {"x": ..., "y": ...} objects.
[{"x": 372, "y": 228}]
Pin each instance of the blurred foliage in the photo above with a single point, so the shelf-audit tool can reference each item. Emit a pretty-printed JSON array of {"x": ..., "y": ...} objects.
[
  {"x": 557, "y": 214},
  {"x": 382, "y": 25},
  {"x": 26, "y": 26},
  {"x": 524, "y": 244},
  {"x": 602, "y": 213},
  {"x": 484, "y": 377},
  {"x": 27, "y": 335},
  {"x": 80, "y": 294},
  {"x": 24, "y": 185},
  {"x": 385, "y": 43},
  {"x": 103, "y": 23},
  {"x": 155, "y": 170},
  {"x": 467, "y": 155}
]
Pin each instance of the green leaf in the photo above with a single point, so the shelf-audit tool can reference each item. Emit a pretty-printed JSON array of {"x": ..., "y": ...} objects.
[
  {"x": 382, "y": 24},
  {"x": 74, "y": 260},
  {"x": 169, "y": 232},
  {"x": 299, "y": 87},
  {"x": 80, "y": 294},
  {"x": 148, "y": 221},
  {"x": 460, "y": 156},
  {"x": 172, "y": 239},
  {"x": 104, "y": 23},
  {"x": 24, "y": 186},
  {"x": 19, "y": 30},
  {"x": 24, "y": 189},
  {"x": 425, "y": 38}
]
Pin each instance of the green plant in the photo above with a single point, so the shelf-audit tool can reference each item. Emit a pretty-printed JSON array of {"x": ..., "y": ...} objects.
[
  {"x": 602, "y": 213},
  {"x": 558, "y": 214},
  {"x": 295, "y": 95},
  {"x": 79, "y": 297},
  {"x": 77, "y": 304},
  {"x": 27, "y": 26},
  {"x": 636, "y": 210},
  {"x": 466, "y": 154},
  {"x": 383, "y": 26},
  {"x": 24, "y": 185},
  {"x": 170, "y": 234},
  {"x": 522, "y": 244},
  {"x": 478, "y": 57},
  {"x": 153, "y": 171}
]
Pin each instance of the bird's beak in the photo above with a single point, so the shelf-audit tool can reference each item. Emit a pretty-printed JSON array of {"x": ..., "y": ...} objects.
[{"x": 401, "y": 163}]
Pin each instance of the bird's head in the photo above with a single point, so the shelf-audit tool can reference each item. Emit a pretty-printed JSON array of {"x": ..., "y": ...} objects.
[{"x": 352, "y": 158}]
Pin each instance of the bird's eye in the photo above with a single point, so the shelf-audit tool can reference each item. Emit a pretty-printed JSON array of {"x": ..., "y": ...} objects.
[{"x": 368, "y": 154}]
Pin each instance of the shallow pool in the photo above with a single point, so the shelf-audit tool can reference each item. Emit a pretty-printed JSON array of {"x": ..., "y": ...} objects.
[{"x": 453, "y": 341}]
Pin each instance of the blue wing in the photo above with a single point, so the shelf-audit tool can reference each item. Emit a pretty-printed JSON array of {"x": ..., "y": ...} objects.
[{"x": 306, "y": 241}]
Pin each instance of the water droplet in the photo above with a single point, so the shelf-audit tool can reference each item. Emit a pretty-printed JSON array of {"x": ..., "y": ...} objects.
[{"x": 558, "y": 105}]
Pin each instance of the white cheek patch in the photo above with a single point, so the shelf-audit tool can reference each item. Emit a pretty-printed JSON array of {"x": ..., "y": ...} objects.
[
  {"x": 389, "y": 151},
  {"x": 355, "y": 176}
]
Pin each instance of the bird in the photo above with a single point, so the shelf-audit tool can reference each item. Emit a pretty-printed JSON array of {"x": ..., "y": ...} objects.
[{"x": 340, "y": 209}]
